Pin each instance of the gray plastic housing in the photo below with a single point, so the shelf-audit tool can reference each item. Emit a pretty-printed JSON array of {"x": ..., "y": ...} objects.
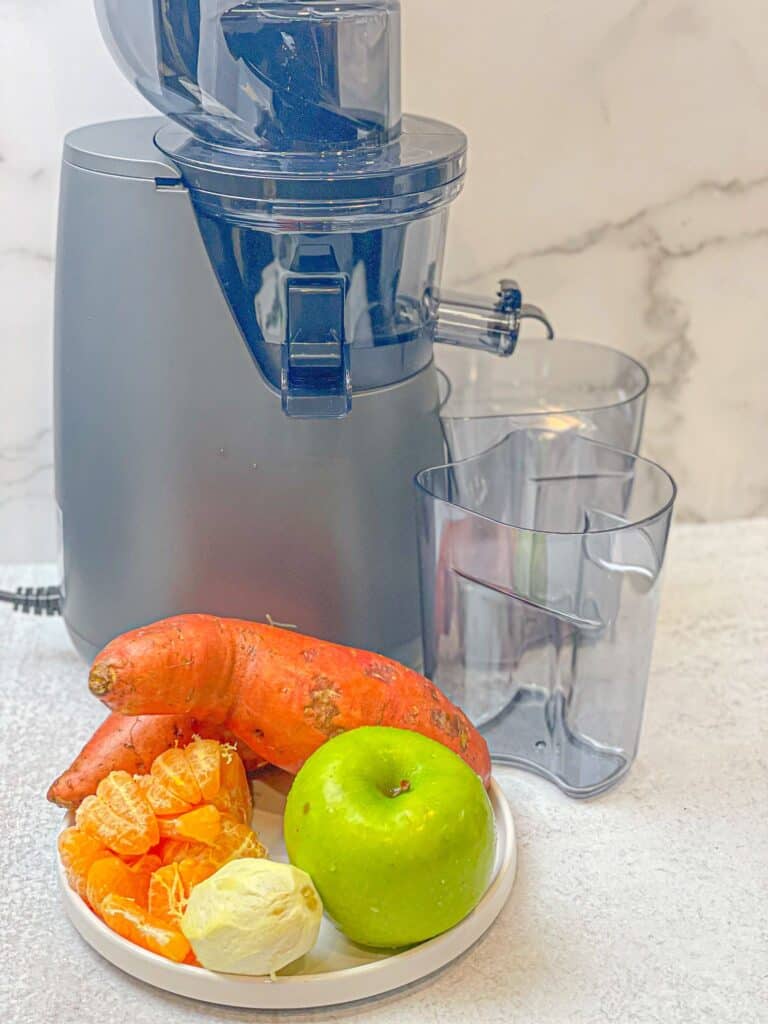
[{"x": 181, "y": 483}]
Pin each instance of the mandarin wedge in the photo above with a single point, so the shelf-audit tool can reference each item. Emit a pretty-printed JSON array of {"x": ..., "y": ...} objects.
[
  {"x": 78, "y": 851},
  {"x": 125, "y": 797},
  {"x": 132, "y": 922},
  {"x": 168, "y": 895},
  {"x": 173, "y": 851},
  {"x": 194, "y": 870},
  {"x": 234, "y": 842},
  {"x": 202, "y": 825},
  {"x": 204, "y": 758},
  {"x": 234, "y": 795},
  {"x": 111, "y": 875},
  {"x": 119, "y": 816},
  {"x": 162, "y": 799},
  {"x": 173, "y": 770},
  {"x": 146, "y": 863}
]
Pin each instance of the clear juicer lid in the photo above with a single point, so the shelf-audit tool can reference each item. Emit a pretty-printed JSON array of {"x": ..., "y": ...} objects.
[
  {"x": 421, "y": 169},
  {"x": 286, "y": 108}
]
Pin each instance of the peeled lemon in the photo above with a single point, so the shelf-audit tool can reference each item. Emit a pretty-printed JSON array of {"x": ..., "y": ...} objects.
[{"x": 252, "y": 917}]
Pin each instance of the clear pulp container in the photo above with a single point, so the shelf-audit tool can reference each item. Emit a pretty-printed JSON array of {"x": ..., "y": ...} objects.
[{"x": 541, "y": 558}]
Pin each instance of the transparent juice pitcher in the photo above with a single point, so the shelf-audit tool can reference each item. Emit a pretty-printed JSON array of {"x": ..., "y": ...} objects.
[{"x": 541, "y": 562}]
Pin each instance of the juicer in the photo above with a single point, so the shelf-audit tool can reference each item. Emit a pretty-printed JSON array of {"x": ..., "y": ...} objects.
[{"x": 248, "y": 292}]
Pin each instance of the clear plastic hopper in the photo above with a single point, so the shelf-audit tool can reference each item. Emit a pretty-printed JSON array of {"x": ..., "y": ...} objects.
[{"x": 322, "y": 207}]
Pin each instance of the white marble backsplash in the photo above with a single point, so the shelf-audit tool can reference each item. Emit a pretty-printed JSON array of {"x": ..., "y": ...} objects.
[{"x": 619, "y": 169}]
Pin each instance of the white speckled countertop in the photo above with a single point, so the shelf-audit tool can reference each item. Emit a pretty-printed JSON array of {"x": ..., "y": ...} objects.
[{"x": 647, "y": 905}]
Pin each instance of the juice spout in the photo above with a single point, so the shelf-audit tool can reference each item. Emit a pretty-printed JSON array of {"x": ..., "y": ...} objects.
[{"x": 471, "y": 322}]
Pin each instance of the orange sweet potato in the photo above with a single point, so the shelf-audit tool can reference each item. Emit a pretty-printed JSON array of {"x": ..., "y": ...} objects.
[
  {"x": 281, "y": 693},
  {"x": 130, "y": 744}
]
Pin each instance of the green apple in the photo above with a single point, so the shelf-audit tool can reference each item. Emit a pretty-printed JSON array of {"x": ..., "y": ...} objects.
[{"x": 396, "y": 832}]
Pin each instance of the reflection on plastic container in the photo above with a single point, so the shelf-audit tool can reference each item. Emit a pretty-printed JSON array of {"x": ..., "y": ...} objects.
[
  {"x": 541, "y": 564},
  {"x": 572, "y": 386}
]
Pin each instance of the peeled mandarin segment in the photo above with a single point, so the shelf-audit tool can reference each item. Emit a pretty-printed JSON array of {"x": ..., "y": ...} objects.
[
  {"x": 172, "y": 850},
  {"x": 125, "y": 796},
  {"x": 161, "y": 799},
  {"x": 173, "y": 770},
  {"x": 144, "y": 868},
  {"x": 194, "y": 870},
  {"x": 234, "y": 842},
  {"x": 204, "y": 759},
  {"x": 97, "y": 819},
  {"x": 235, "y": 779},
  {"x": 128, "y": 919},
  {"x": 78, "y": 850},
  {"x": 119, "y": 815},
  {"x": 164, "y": 801},
  {"x": 239, "y": 841},
  {"x": 234, "y": 796},
  {"x": 146, "y": 864},
  {"x": 143, "y": 782},
  {"x": 167, "y": 895},
  {"x": 202, "y": 825},
  {"x": 118, "y": 834},
  {"x": 111, "y": 876}
]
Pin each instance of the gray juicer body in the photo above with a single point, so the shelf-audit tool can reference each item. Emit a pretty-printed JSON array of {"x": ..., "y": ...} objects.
[
  {"x": 248, "y": 293},
  {"x": 181, "y": 483}
]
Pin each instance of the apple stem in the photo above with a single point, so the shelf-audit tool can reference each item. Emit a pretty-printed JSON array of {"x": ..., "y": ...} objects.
[{"x": 404, "y": 787}]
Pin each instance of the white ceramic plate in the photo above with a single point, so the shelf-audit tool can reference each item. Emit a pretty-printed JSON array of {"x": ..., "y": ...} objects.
[{"x": 336, "y": 971}]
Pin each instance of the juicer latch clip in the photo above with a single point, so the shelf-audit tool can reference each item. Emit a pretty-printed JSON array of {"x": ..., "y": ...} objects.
[
  {"x": 472, "y": 323},
  {"x": 315, "y": 378}
]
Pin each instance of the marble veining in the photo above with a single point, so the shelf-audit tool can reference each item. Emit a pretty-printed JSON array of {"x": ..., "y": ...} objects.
[
  {"x": 665, "y": 245},
  {"x": 617, "y": 168}
]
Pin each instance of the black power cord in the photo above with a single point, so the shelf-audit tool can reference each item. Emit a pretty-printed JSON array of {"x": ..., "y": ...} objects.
[{"x": 34, "y": 600}]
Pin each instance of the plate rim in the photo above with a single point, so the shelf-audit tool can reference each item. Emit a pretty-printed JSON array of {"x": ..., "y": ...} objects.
[{"x": 406, "y": 966}]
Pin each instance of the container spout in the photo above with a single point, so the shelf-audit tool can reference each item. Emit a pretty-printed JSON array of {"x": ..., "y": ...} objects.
[{"x": 470, "y": 322}]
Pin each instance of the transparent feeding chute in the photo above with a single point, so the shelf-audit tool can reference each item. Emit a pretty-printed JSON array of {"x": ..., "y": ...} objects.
[{"x": 276, "y": 75}]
